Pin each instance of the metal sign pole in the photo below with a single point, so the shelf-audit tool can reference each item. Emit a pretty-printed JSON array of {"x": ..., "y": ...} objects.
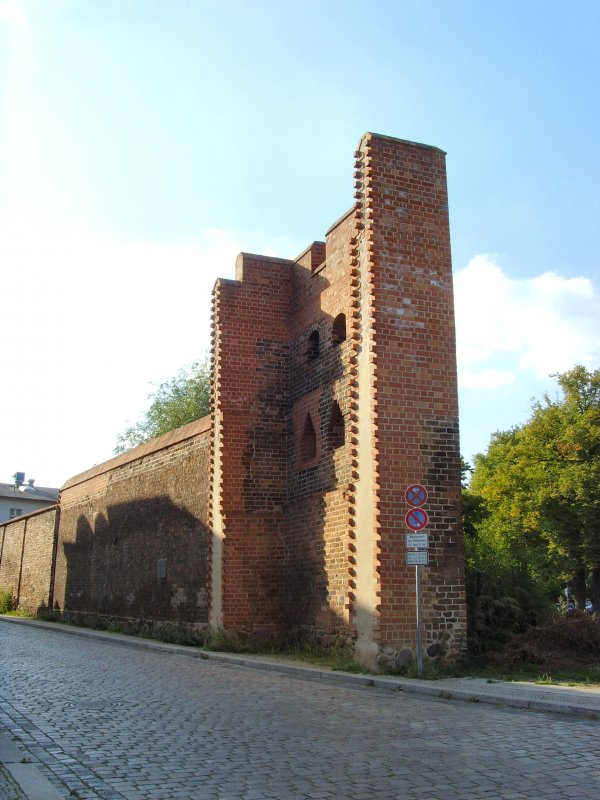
[
  {"x": 419, "y": 622},
  {"x": 416, "y": 519}
]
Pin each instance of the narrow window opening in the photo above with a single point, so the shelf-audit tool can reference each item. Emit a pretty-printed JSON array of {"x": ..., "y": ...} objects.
[
  {"x": 312, "y": 350},
  {"x": 337, "y": 428},
  {"x": 308, "y": 443},
  {"x": 339, "y": 329}
]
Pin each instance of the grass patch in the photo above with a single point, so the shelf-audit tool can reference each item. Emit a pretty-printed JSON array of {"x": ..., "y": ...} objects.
[
  {"x": 222, "y": 641},
  {"x": 336, "y": 658},
  {"x": 284, "y": 648},
  {"x": 584, "y": 676},
  {"x": 20, "y": 612}
]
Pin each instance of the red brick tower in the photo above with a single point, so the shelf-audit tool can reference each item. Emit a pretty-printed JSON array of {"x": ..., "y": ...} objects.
[
  {"x": 334, "y": 390},
  {"x": 404, "y": 363}
]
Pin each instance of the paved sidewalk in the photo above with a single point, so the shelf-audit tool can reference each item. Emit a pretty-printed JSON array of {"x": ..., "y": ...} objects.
[
  {"x": 514, "y": 694},
  {"x": 20, "y": 779}
]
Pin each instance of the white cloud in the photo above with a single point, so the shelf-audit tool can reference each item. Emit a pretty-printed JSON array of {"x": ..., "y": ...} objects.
[
  {"x": 12, "y": 11},
  {"x": 508, "y": 327},
  {"x": 90, "y": 322},
  {"x": 88, "y": 325},
  {"x": 81, "y": 291},
  {"x": 485, "y": 378}
]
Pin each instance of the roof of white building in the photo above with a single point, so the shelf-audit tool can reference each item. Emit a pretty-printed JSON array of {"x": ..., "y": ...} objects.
[{"x": 28, "y": 491}]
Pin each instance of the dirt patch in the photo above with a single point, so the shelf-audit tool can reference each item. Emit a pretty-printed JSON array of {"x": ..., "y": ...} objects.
[{"x": 571, "y": 643}]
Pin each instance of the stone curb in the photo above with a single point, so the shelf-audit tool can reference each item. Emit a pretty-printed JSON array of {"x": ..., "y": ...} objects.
[{"x": 439, "y": 689}]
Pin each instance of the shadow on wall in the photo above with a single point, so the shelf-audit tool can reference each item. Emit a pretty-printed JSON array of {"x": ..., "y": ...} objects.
[
  {"x": 317, "y": 528},
  {"x": 144, "y": 558}
]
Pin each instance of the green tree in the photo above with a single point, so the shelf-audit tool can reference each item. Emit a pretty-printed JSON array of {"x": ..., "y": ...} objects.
[
  {"x": 473, "y": 506},
  {"x": 183, "y": 399},
  {"x": 502, "y": 595},
  {"x": 540, "y": 483}
]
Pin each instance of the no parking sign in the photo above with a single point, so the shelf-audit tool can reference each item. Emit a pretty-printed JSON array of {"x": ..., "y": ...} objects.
[{"x": 416, "y": 519}]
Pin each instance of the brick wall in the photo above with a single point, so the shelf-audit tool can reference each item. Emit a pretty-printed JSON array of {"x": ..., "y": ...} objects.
[
  {"x": 316, "y": 512},
  {"x": 26, "y": 558},
  {"x": 133, "y": 538},
  {"x": 333, "y": 389},
  {"x": 248, "y": 466}
]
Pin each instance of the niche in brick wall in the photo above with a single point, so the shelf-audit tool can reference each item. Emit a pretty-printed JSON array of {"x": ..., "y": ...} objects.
[
  {"x": 308, "y": 442},
  {"x": 313, "y": 346},
  {"x": 337, "y": 429},
  {"x": 338, "y": 330}
]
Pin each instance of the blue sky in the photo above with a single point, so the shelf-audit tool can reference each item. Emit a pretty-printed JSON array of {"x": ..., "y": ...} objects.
[{"x": 144, "y": 143}]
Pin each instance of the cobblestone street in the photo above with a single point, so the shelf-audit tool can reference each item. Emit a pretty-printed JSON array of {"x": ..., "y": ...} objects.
[{"x": 108, "y": 721}]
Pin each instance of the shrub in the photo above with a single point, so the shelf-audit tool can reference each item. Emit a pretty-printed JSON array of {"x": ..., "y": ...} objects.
[
  {"x": 571, "y": 643},
  {"x": 500, "y": 604},
  {"x": 6, "y": 602}
]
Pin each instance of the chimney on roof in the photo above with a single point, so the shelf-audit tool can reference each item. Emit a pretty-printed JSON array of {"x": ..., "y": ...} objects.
[
  {"x": 19, "y": 479},
  {"x": 31, "y": 481}
]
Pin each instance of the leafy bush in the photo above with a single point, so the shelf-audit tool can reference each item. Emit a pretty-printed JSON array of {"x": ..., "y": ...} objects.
[
  {"x": 6, "y": 602},
  {"x": 501, "y": 603}
]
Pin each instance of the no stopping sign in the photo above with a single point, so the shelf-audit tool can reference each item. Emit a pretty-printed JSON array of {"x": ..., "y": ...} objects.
[{"x": 416, "y": 495}]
